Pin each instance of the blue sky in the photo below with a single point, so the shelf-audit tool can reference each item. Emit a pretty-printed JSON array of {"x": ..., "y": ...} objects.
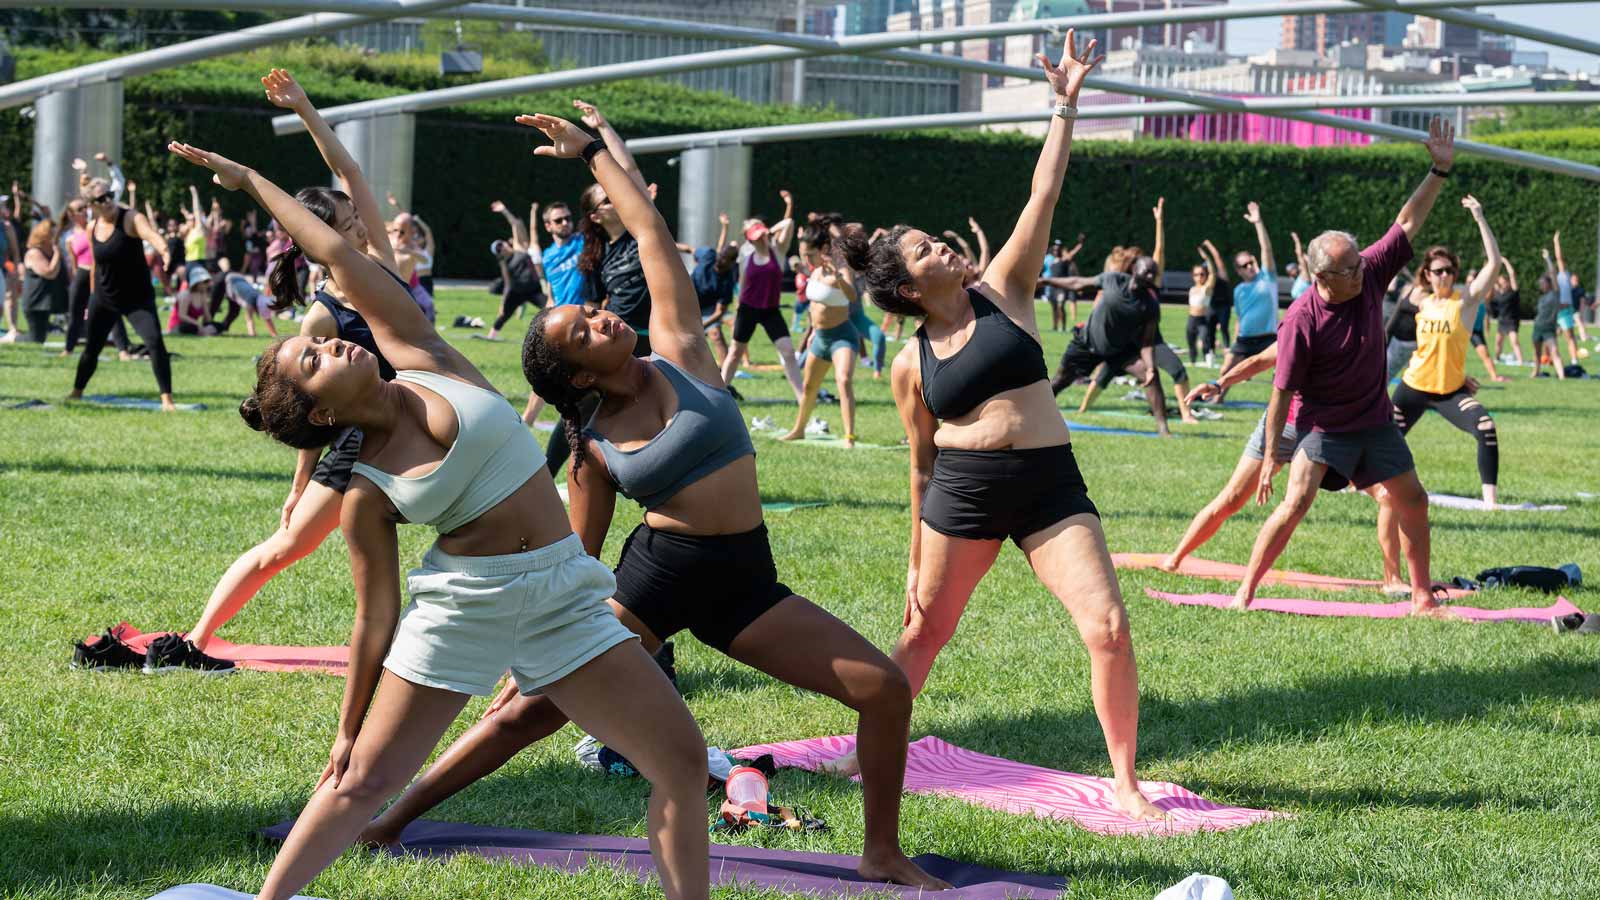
[{"x": 1576, "y": 19}]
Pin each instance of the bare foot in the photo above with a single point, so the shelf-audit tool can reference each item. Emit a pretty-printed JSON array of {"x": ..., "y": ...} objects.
[
  {"x": 376, "y": 837},
  {"x": 846, "y": 765},
  {"x": 168, "y": 406},
  {"x": 895, "y": 868},
  {"x": 1396, "y": 589},
  {"x": 1189, "y": 419},
  {"x": 1171, "y": 563},
  {"x": 792, "y": 436},
  {"x": 1165, "y": 432},
  {"x": 124, "y": 356},
  {"x": 1137, "y": 806},
  {"x": 1241, "y": 602},
  {"x": 1433, "y": 610}
]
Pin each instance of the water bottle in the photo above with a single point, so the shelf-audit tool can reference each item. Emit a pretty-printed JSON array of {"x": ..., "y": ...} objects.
[{"x": 747, "y": 789}]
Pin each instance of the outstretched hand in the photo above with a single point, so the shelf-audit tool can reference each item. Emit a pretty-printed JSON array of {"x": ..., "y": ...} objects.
[
  {"x": 722, "y": 218},
  {"x": 1472, "y": 205},
  {"x": 497, "y": 206},
  {"x": 1252, "y": 213},
  {"x": 1066, "y": 78},
  {"x": 1208, "y": 392},
  {"x": 566, "y": 139},
  {"x": 590, "y": 114},
  {"x": 79, "y": 165},
  {"x": 1441, "y": 142},
  {"x": 282, "y": 90},
  {"x": 1160, "y": 209},
  {"x": 225, "y": 172}
]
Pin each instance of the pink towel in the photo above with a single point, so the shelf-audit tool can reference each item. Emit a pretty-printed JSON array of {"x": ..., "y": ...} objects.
[
  {"x": 261, "y": 657},
  {"x": 935, "y": 767},
  {"x": 1397, "y": 610}
]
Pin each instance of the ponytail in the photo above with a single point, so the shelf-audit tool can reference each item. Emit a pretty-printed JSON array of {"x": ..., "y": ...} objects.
[{"x": 284, "y": 280}]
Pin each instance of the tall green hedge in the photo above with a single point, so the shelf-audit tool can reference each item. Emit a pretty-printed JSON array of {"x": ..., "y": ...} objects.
[{"x": 469, "y": 156}]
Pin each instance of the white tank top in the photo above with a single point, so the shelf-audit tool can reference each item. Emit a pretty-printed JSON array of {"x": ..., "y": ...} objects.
[{"x": 825, "y": 294}]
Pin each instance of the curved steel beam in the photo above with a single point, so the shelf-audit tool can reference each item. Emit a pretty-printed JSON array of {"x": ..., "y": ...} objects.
[{"x": 1493, "y": 26}]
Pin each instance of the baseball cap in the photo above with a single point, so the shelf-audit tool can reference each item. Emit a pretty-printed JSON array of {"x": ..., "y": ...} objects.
[{"x": 755, "y": 232}]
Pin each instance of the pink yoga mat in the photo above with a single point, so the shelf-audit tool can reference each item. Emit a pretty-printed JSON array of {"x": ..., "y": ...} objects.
[
  {"x": 1221, "y": 571},
  {"x": 261, "y": 657},
  {"x": 935, "y": 767},
  {"x": 1397, "y": 610}
]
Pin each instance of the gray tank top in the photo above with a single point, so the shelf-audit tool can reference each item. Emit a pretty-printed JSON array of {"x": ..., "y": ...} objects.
[{"x": 705, "y": 434}]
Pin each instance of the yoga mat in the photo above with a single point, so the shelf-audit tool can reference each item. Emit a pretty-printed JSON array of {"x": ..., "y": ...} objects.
[
  {"x": 209, "y": 892},
  {"x": 40, "y": 404},
  {"x": 1101, "y": 429},
  {"x": 936, "y": 767},
  {"x": 828, "y": 874},
  {"x": 260, "y": 657},
  {"x": 1451, "y": 501},
  {"x": 137, "y": 403},
  {"x": 1344, "y": 608},
  {"x": 1221, "y": 571}
]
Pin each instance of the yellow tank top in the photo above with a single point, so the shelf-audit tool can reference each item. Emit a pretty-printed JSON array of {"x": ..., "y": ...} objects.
[
  {"x": 194, "y": 245},
  {"x": 1439, "y": 364}
]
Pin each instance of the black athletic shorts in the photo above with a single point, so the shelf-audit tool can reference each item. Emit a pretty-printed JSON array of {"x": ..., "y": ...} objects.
[
  {"x": 713, "y": 587},
  {"x": 996, "y": 494},
  {"x": 1478, "y": 340},
  {"x": 333, "y": 470},
  {"x": 1364, "y": 458},
  {"x": 1245, "y": 347},
  {"x": 746, "y": 318}
]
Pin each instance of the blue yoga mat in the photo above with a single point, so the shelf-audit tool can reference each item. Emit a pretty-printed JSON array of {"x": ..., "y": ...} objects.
[
  {"x": 137, "y": 403},
  {"x": 1101, "y": 429}
]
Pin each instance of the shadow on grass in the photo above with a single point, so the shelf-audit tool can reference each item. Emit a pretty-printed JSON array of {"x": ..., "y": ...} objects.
[
  {"x": 67, "y": 467},
  {"x": 1304, "y": 711},
  {"x": 853, "y": 502}
]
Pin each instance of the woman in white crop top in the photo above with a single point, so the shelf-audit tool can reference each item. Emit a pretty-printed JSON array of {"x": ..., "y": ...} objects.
[
  {"x": 833, "y": 340},
  {"x": 506, "y": 586}
]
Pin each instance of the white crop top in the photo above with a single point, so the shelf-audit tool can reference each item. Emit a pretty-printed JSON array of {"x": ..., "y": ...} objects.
[{"x": 825, "y": 294}]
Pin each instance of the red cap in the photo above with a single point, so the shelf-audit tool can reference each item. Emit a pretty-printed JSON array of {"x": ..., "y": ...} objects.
[{"x": 755, "y": 232}]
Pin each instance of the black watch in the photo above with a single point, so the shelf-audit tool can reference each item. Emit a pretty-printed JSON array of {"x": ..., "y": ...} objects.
[
  {"x": 593, "y": 147},
  {"x": 1434, "y": 170}
]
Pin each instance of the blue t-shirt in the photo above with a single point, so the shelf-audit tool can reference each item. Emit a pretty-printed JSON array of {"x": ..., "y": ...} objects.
[
  {"x": 561, "y": 269},
  {"x": 1301, "y": 283},
  {"x": 1477, "y": 323},
  {"x": 712, "y": 286},
  {"x": 1256, "y": 303}
]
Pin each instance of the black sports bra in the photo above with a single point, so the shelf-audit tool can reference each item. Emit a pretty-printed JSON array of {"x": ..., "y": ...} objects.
[{"x": 999, "y": 357}]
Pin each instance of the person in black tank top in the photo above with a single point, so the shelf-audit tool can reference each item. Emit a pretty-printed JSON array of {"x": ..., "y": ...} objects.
[
  {"x": 122, "y": 288},
  {"x": 311, "y": 511},
  {"x": 991, "y": 457}
]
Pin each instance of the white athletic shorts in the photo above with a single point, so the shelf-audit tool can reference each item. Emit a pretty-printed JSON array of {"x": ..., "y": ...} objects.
[{"x": 541, "y": 614}]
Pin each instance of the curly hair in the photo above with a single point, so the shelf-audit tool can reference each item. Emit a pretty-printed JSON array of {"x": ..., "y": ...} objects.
[
  {"x": 280, "y": 408},
  {"x": 883, "y": 267},
  {"x": 550, "y": 376}
]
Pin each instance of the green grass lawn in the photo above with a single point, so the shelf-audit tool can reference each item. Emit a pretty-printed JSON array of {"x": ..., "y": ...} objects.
[{"x": 1419, "y": 759}]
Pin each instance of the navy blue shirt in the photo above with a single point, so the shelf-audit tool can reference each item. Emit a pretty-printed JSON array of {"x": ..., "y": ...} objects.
[{"x": 713, "y": 287}]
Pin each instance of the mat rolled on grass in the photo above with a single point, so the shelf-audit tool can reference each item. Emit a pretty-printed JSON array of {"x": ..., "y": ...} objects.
[
  {"x": 137, "y": 403},
  {"x": 792, "y": 871},
  {"x": 259, "y": 657},
  {"x": 1451, "y": 501},
  {"x": 936, "y": 767},
  {"x": 1350, "y": 609}
]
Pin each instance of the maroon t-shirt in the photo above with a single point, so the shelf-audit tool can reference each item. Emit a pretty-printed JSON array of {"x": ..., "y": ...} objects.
[{"x": 1332, "y": 355}]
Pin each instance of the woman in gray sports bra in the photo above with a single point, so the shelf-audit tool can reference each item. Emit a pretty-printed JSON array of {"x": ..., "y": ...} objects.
[
  {"x": 506, "y": 585},
  {"x": 668, "y": 435}
]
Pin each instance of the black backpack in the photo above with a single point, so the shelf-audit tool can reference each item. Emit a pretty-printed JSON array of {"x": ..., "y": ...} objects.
[{"x": 1540, "y": 578}]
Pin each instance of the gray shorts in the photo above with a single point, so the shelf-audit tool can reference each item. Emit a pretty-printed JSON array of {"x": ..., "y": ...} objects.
[
  {"x": 540, "y": 614},
  {"x": 1257, "y": 447},
  {"x": 1365, "y": 458}
]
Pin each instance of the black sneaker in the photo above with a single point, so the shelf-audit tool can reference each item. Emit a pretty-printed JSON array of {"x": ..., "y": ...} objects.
[
  {"x": 734, "y": 392},
  {"x": 824, "y": 396},
  {"x": 171, "y": 652},
  {"x": 106, "y": 653},
  {"x": 666, "y": 658},
  {"x": 1564, "y": 624}
]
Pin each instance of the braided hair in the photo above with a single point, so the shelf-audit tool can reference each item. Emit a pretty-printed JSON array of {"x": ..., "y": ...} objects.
[{"x": 550, "y": 376}]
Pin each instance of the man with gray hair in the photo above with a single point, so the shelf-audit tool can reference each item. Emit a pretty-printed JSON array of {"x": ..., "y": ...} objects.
[{"x": 1330, "y": 384}]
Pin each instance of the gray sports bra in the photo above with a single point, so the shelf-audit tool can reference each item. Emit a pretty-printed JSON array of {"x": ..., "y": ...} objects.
[
  {"x": 494, "y": 455},
  {"x": 705, "y": 434}
]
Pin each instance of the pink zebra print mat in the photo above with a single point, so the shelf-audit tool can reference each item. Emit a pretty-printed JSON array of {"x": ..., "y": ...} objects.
[{"x": 936, "y": 767}]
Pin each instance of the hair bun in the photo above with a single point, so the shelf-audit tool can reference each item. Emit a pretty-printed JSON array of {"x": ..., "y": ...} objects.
[
  {"x": 853, "y": 244},
  {"x": 250, "y": 411}
]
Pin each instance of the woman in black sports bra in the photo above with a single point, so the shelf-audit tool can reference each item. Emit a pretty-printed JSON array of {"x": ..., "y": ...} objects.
[{"x": 991, "y": 457}]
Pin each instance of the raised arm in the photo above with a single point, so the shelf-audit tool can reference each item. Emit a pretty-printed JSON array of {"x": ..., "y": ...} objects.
[
  {"x": 284, "y": 92},
  {"x": 1160, "y": 253},
  {"x": 966, "y": 249},
  {"x": 1071, "y": 253},
  {"x": 1013, "y": 272},
  {"x": 722, "y": 232},
  {"x": 119, "y": 181},
  {"x": 1441, "y": 146},
  {"x": 133, "y": 196},
  {"x": 147, "y": 232},
  {"x": 782, "y": 233},
  {"x": 615, "y": 145},
  {"x": 427, "y": 231},
  {"x": 533, "y": 228},
  {"x": 1300, "y": 255},
  {"x": 519, "y": 234},
  {"x": 1255, "y": 365},
  {"x": 406, "y": 338},
  {"x": 1511, "y": 273},
  {"x": 1561, "y": 260},
  {"x": 675, "y": 307},
  {"x": 197, "y": 215},
  {"x": 1491, "y": 253},
  {"x": 1252, "y": 214}
]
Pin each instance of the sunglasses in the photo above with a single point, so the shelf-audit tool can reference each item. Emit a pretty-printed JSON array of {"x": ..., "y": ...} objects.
[
  {"x": 557, "y": 220},
  {"x": 103, "y": 198},
  {"x": 1441, "y": 271},
  {"x": 1246, "y": 264}
]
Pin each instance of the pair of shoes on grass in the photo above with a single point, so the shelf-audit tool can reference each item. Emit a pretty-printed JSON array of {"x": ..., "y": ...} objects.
[
  {"x": 1576, "y": 623},
  {"x": 167, "y": 653}
]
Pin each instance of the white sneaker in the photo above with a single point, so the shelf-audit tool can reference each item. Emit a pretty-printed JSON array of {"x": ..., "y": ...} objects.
[
  {"x": 761, "y": 423},
  {"x": 817, "y": 426},
  {"x": 1206, "y": 414},
  {"x": 10, "y": 337}
]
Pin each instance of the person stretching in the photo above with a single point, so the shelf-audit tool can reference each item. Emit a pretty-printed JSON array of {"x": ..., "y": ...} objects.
[
  {"x": 1255, "y": 296},
  {"x": 991, "y": 457},
  {"x": 505, "y": 586},
  {"x": 1545, "y": 317},
  {"x": 715, "y": 275},
  {"x": 1330, "y": 383},
  {"x": 1566, "y": 319},
  {"x": 1437, "y": 378},
  {"x": 668, "y": 435},
  {"x": 1506, "y": 307},
  {"x": 835, "y": 341},
  {"x": 1201, "y": 329},
  {"x": 760, "y": 290}
]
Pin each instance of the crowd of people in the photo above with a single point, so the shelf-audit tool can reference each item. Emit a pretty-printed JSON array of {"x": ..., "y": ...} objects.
[{"x": 393, "y": 425}]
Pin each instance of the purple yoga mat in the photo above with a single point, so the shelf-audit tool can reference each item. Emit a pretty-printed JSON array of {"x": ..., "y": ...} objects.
[{"x": 820, "y": 874}]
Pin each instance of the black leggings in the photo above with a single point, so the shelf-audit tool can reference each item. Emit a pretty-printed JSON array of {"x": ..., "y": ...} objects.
[
  {"x": 77, "y": 315},
  {"x": 102, "y": 318},
  {"x": 38, "y": 325},
  {"x": 1219, "y": 318},
  {"x": 1460, "y": 409},
  {"x": 1205, "y": 329},
  {"x": 509, "y": 304}
]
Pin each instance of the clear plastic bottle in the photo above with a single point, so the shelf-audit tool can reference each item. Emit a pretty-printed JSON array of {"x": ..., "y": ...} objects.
[{"x": 747, "y": 789}]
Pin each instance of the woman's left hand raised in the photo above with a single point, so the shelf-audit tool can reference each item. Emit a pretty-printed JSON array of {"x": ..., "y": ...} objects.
[
  {"x": 566, "y": 139},
  {"x": 1066, "y": 78},
  {"x": 225, "y": 172}
]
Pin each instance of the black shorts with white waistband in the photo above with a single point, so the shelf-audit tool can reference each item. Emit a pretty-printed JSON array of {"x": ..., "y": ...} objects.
[
  {"x": 334, "y": 469},
  {"x": 999, "y": 494},
  {"x": 713, "y": 586}
]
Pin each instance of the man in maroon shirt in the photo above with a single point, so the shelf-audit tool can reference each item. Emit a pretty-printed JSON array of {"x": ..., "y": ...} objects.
[{"x": 1331, "y": 384}]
